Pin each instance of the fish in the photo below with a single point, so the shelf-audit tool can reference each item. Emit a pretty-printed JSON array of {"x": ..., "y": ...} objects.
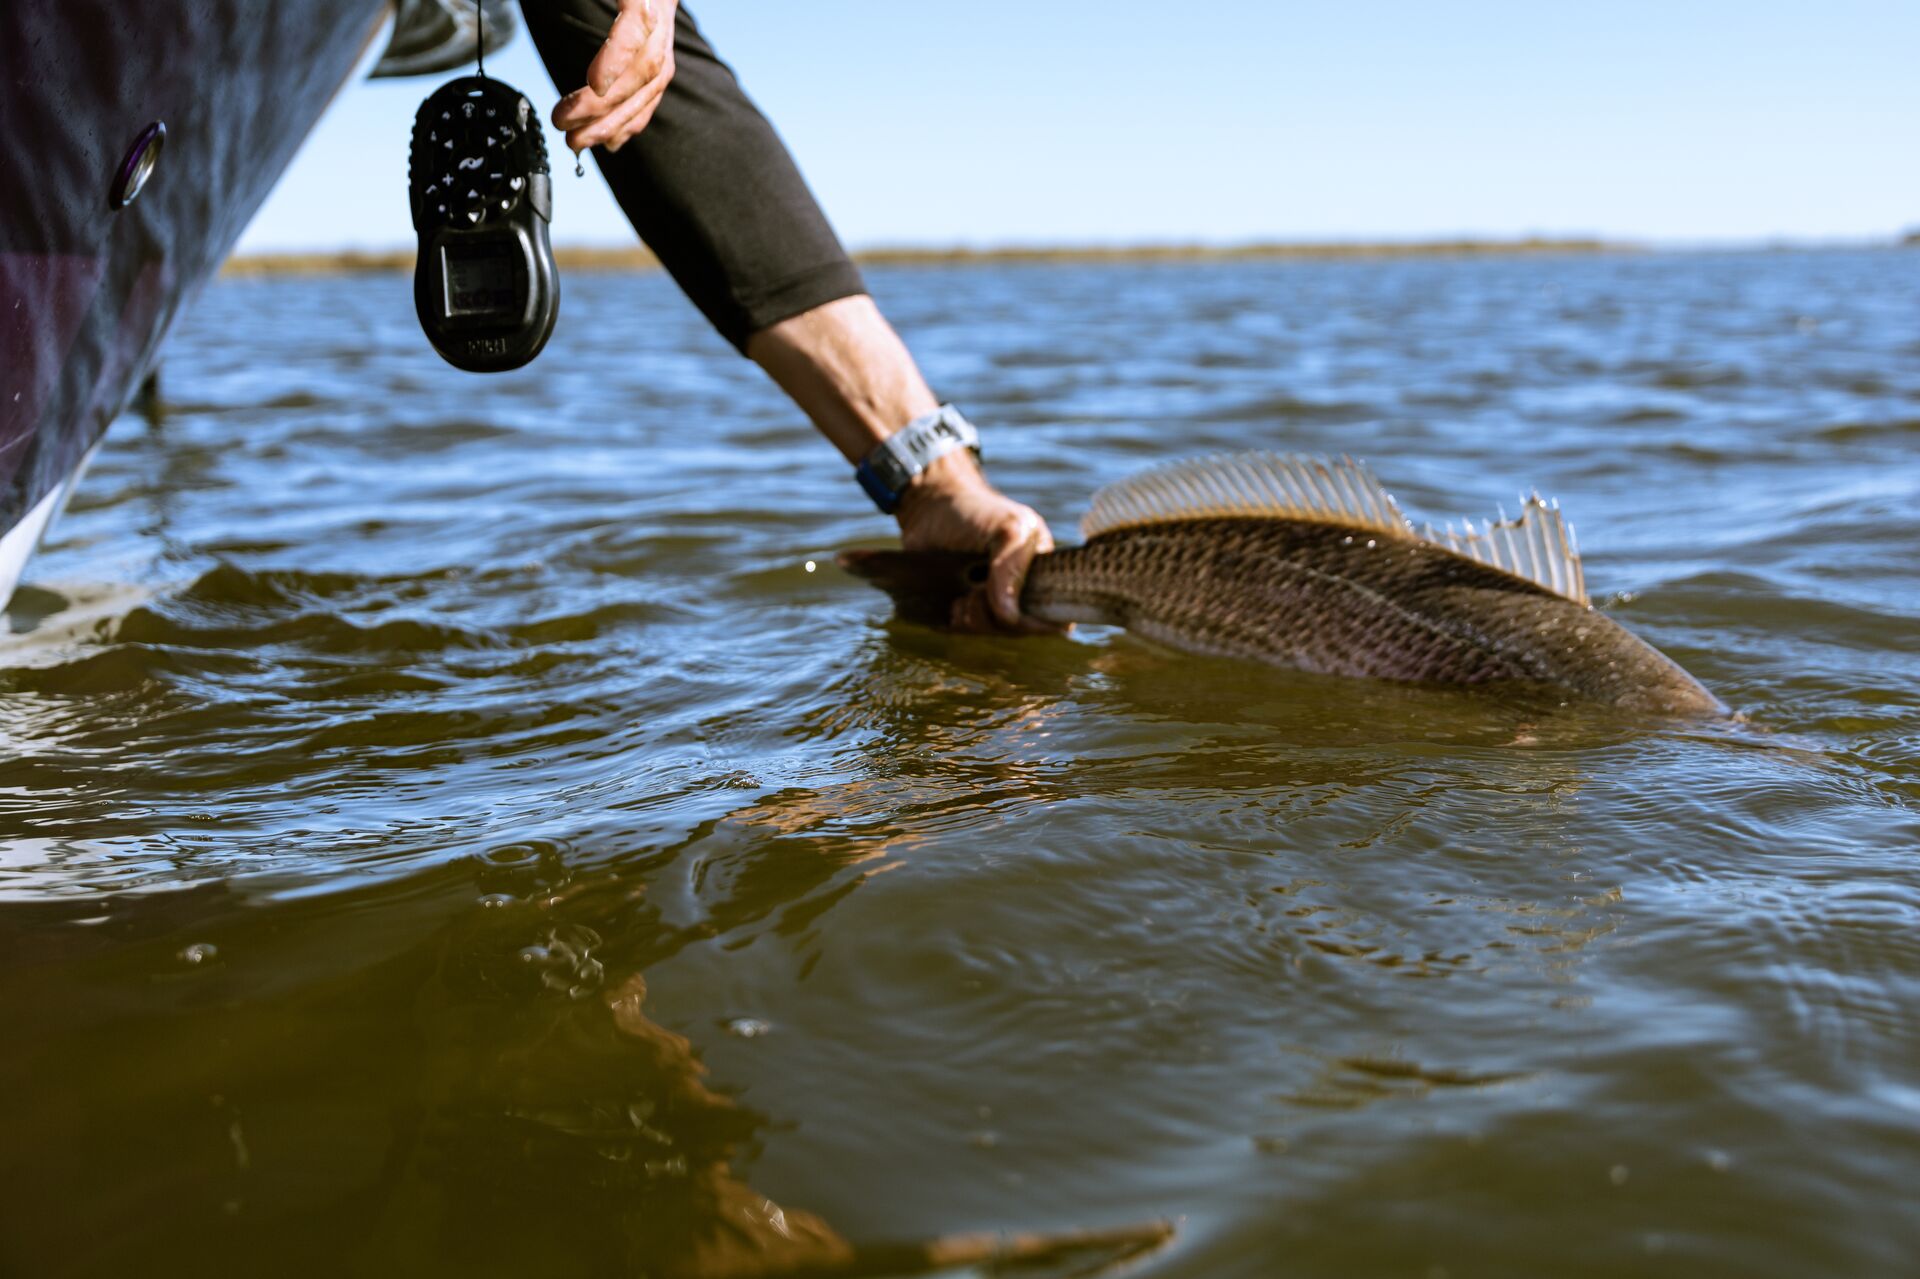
[{"x": 1308, "y": 563}]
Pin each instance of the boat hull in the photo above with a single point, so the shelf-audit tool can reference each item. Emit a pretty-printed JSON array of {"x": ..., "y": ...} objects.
[{"x": 88, "y": 290}]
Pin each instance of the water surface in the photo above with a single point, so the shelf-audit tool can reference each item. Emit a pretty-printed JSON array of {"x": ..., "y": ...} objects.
[{"x": 448, "y": 830}]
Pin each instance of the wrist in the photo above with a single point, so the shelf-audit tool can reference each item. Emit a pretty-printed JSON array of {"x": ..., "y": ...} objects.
[
  {"x": 904, "y": 459},
  {"x": 948, "y": 479}
]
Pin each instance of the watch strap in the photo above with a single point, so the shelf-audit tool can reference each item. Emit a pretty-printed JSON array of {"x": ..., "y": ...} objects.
[{"x": 899, "y": 459}]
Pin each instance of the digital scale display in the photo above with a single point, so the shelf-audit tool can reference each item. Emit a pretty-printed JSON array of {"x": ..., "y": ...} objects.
[{"x": 479, "y": 279}]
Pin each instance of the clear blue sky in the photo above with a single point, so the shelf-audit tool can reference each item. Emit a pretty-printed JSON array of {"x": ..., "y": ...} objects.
[{"x": 1077, "y": 121}]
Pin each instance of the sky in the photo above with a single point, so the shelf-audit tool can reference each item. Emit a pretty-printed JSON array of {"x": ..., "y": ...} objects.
[{"x": 1075, "y": 121}]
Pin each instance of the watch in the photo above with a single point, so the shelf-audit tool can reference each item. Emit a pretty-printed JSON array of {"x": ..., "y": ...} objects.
[{"x": 897, "y": 460}]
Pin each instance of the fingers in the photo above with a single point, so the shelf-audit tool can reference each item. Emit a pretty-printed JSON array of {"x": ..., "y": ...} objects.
[
  {"x": 619, "y": 128},
  {"x": 970, "y": 613},
  {"x": 584, "y": 106},
  {"x": 612, "y": 125},
  {"x": 1021, "y": 536}
]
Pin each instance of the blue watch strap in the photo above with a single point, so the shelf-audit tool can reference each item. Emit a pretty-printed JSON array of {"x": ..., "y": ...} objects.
[{"x": 899, "y": 459}]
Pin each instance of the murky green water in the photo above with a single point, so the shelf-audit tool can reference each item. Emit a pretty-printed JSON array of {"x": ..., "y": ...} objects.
[{"x": 412, "y": 783}]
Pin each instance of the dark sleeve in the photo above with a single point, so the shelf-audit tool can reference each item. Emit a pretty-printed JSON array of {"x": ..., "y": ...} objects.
[{"x": 707, "y": 184}]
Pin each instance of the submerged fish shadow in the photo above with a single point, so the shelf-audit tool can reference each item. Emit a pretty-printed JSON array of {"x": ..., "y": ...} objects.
[{"x": 916, "y": 671}]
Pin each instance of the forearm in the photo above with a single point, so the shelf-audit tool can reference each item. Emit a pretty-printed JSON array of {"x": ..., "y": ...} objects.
[{"x": 847, "y": 369}]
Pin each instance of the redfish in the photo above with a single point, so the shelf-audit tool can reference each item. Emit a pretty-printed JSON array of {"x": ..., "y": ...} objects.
[{"x": 1308, "y": 563}]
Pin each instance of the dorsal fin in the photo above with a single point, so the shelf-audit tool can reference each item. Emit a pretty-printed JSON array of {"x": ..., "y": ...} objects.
[
  {"x": 1537, "y": 547},
  {"x": 1249, "y": 486}
]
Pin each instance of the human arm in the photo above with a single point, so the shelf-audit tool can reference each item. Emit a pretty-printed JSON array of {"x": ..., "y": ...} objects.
[{"x": 847, "y": 369}]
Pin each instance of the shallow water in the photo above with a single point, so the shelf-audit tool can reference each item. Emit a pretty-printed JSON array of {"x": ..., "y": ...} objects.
[{"x": 410, "y": 782}]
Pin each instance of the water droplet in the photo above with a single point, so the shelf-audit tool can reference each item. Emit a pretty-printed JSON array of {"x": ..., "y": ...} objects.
[
  {"x": 579, "y": 166},
  {"x": 747, "y": 1027},
  {"x": 494, "y": 901},
  {"x": 809, "y": 566},
  {"x": 201, "y": 952}
]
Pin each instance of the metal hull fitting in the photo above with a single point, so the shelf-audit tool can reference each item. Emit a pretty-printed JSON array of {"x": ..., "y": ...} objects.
[{"x": 90, "y": 276}]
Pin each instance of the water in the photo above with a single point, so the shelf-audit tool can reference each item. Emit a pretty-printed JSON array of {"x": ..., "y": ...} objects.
[{"x": 450, "y": 831}]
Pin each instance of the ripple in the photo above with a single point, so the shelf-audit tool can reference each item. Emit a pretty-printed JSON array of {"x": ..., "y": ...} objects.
[{"x": 492, "y": 750}]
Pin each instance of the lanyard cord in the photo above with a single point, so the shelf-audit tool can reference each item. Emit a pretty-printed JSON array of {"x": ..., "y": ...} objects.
[{"x": 480, "y": 17}]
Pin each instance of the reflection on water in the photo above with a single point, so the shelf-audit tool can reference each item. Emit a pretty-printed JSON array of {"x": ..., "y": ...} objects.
[{"x": 448, "y": 830}]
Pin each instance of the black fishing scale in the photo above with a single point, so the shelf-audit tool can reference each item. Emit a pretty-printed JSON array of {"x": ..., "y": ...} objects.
[{"x": 484, "y": 281}]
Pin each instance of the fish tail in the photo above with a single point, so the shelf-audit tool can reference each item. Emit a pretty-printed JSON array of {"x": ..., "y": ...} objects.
[{"x": 925, "y": 585}]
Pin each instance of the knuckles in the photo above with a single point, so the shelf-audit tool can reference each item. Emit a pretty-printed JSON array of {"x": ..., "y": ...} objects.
[{"x": 1011, "y": 529}]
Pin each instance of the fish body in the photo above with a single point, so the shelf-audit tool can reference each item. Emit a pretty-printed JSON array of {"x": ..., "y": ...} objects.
[{"x": 1323, "y": 575}]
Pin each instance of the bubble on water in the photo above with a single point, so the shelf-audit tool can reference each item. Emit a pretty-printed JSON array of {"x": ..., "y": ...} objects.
[
  {"x": 565, "y": 961},
  {"x": 747, "y": 1027},
  {"x": 200, "y": 952},
  {"x": 1719, "y": 1160},
  {"x": 809, "y": 566},
  {"x": 494, "y": 901}
]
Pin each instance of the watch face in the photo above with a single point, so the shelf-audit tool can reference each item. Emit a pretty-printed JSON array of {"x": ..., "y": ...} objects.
[{"x": 895, "y": 470}]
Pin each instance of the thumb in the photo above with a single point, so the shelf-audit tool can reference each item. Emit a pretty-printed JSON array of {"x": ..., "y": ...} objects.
[
  {"x": 1024, "y": 538},
  {"x": 624, "y": 41}
]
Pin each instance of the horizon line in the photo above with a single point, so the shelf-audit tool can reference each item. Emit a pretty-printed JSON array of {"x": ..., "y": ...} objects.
[{"x": 633, "y": 256}]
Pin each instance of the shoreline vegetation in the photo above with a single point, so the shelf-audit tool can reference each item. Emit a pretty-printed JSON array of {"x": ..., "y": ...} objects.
[{"x": 635, "y": 258}]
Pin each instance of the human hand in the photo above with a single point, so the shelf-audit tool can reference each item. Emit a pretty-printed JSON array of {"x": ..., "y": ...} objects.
[
  {"x": 951, "y": 507},
  {"x": 625, "y": 80}
]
